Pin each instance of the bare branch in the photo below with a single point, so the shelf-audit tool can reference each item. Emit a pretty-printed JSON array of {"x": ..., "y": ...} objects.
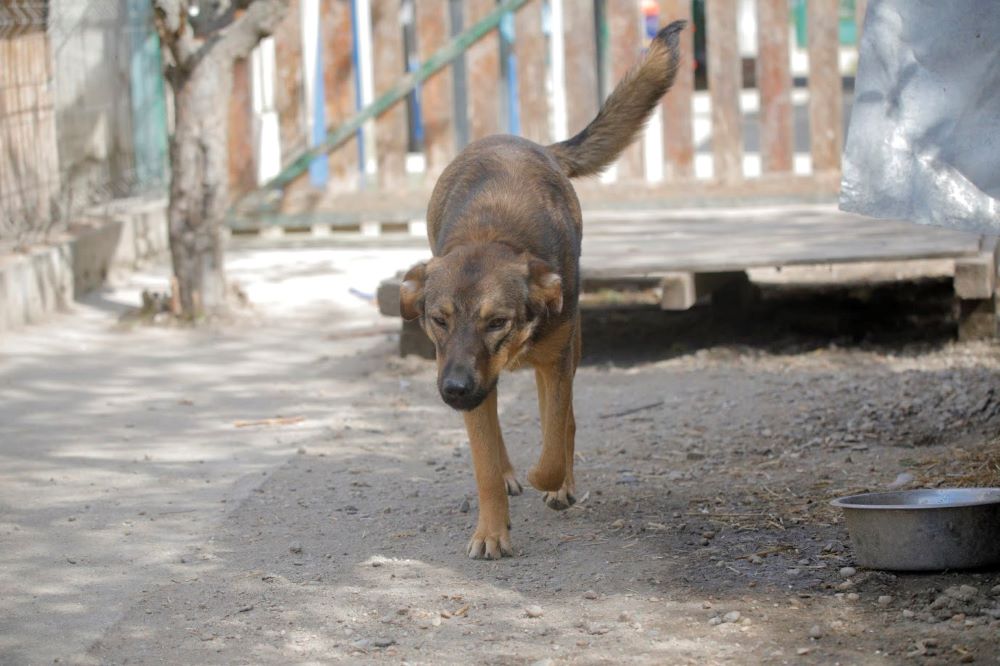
[
  {"x": 176, "y": 33},
  {"x": 258, "y": 21}
]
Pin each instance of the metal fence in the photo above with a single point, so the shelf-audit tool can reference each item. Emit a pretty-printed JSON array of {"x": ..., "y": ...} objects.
[{"x": 83, "y": 114}]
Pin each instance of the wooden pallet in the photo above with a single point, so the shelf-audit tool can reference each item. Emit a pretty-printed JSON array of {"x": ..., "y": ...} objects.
[
  {"x": 319, "y": 226},
  {"x": 678, "y": 260}
]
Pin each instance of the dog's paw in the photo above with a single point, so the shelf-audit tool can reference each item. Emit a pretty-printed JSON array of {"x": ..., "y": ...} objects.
[
  {"x": 559, "y": 500},
  {"x": 493, "y": 545},
  {"x": 513, "y": 485}
]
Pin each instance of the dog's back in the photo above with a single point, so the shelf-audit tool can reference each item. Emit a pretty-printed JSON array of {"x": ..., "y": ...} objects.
[
  {"x": 508, "y": 189},
  {"x": 501, "y": 189}
]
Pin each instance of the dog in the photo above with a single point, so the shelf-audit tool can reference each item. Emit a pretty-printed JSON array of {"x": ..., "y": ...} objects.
[{"x": 502, "y": 288}]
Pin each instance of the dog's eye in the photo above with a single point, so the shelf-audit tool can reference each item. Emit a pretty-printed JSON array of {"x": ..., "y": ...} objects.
[
  {"x": 496, "y": 324},
  {"x": 440, "y": 322}
]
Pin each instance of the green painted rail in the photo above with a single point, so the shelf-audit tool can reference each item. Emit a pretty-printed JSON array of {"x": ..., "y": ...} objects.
[{"x": 442, "y": 57}]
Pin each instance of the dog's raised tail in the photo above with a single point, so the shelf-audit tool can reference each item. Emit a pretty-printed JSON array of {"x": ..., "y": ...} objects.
[{"x": 625, "y": 112}]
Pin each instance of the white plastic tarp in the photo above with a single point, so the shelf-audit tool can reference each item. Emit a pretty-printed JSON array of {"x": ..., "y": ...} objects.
[{"x": 924, "y": 137}]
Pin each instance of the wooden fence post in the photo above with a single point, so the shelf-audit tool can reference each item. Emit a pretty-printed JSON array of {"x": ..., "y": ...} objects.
[
  {"x": 774, "y": 81},
  {"x": 483, "y": 75},
  {"x": 860, "y": 9},
  {"x": 580, "y": 47},
  {"x": 289, "y": 89},
  {"x": 338, "y": 82},
  {"x": 625, "y": 47},
  {"x": 391, "y": 131},
  {"x": 724, "y": 81},
  {"x": 678, "y": 130},
  {"x": 242, "y": 165},
  {"x": 530, "y": 55},
  {"x": 825, "y": 95},
  {"x": 436, "y": 92}
]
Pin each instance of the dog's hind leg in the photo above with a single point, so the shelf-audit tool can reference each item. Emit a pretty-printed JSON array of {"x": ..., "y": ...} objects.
[
  {"x": 491, "y": 540},
  {"x": 555, "y": 401},
  {"x": 565, "y": 496}
]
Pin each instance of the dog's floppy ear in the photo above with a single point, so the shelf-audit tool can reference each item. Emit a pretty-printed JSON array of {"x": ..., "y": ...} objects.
[
  {"x": 544, "y": 288},
  {"x": 411, "y": 292}
]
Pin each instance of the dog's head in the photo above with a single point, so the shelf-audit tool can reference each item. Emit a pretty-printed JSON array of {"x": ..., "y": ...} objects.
[{"x": 480, "y": 305}]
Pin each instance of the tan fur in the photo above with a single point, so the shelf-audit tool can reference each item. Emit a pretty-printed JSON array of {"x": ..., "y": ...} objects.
[{"x": 502, "y": 290}]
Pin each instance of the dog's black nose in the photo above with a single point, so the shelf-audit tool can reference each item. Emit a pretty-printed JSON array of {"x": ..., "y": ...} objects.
[{"x": 456, "y": 387}]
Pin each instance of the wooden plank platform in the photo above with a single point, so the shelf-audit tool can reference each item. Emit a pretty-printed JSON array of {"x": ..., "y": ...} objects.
[
  {"x": 713, "y": 241},
  {"x": 677, "y": 259}
]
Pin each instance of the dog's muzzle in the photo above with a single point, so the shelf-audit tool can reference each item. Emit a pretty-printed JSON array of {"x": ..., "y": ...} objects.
[{"x": 459, "y": 390}]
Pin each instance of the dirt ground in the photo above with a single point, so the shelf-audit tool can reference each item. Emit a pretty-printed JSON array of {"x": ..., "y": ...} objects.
[{"x": 703, "y": 535}]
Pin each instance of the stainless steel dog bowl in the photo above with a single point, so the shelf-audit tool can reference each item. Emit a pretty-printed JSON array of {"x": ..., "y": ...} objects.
[{"x": 924, "y": 530}]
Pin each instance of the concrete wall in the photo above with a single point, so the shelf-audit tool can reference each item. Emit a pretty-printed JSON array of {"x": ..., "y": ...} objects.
[{"x": 33, "y": 286}]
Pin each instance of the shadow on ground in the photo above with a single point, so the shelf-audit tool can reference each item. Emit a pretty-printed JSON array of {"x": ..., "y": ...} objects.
[{"x": 780, "y": 320}]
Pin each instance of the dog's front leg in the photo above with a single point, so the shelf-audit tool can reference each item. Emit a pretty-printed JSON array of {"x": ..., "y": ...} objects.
[{"x": 491, "y": 539}]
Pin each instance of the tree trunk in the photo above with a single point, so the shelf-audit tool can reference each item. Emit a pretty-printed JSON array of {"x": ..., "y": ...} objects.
[
  {"x": 200, "y": 70},
  {"x": 199, "y": 192}
]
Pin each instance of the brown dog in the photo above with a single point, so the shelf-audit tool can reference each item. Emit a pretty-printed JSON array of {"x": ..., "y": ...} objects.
[{"x": 502, "y": 289}]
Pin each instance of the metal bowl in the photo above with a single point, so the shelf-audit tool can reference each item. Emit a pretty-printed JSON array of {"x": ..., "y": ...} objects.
[{"x": 925, "y": 530}]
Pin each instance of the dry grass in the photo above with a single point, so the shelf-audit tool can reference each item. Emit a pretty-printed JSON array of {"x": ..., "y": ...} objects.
[{"x": 962, "y": 468}]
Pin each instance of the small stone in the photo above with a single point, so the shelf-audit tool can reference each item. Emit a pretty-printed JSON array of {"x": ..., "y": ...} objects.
[
  {"x": 847, "y": 572},
  {"x": 804, "y": 562},
  {"x": 884, "y": 600},
  {"x": 845, "y": 585},
  {"x": 715, "y": 621},
  {"x": 543, "y": 662},
  {"x": 301, "y": 451},
  {"x": 995, "y": 590},
  {"x": 803, "y": 651},
  {"x": 815, "y": 632},
  {"x": 590, "y": 594},
  {"x": 464, "y": 506},
  {"x": 901, "y": 480},
  {"x": 706, "y": 604},
  {"x": 383, "y": 642},
  {"x": 534, "y": 611},
  {"x": 596, "y": 629},
  {"x": 962, "y": 592},
  {"x": 731, "y": 616},
  {"x": 793, "y": 571},
  {"x": 755, "y": 559},
  {"x": 908, "y": 614},
  {"x": 704, "y": 542},
  {"x": 853, "y": 596},
  {"x": 625, "y": 616},
  {"x": 295, "y": 547}
]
